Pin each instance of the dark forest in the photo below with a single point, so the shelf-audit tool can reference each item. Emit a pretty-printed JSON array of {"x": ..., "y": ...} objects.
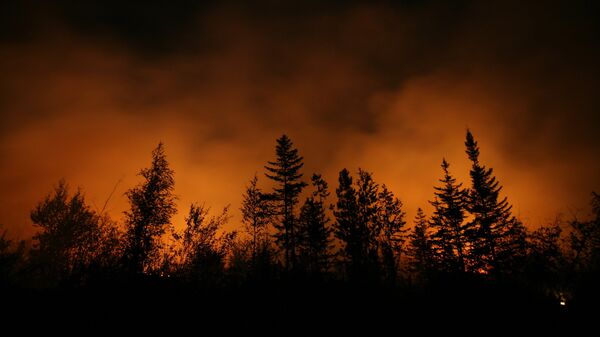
[
  {"x": 311, "y": 251},
  {"x": 409, "y": 167}
]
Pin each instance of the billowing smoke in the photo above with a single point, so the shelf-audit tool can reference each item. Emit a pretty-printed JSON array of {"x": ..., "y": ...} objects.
[{"x": 88, "y": 90}]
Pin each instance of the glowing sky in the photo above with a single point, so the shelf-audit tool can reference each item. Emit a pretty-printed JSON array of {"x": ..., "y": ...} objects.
[{"x": 88, "y": 90}]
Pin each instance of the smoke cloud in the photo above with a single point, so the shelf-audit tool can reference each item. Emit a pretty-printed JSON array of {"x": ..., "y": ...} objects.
[{"x": 88, "y": 90}]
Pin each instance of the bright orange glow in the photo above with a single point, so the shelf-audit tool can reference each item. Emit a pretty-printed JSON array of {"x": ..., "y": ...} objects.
[{"x": 91, "y": 111}]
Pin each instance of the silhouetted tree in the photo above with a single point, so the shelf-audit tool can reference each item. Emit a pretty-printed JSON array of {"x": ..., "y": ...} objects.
[
  {"x": 419, "y": 246},
  {"x": 315, "y": 240},
  {"x": 244, "y": 267},
  {"x": 545, "y": 259},
  {"x": 348, "y": 227},
  {"x": 497, "y": 238},
  {"x": 69, "y": 238},
  {"x": 285, "y": 172},
  {"x": 152, "y": 204},
  {"x": 110, "y": 249},
  {"x": 11, "y": 259},
  {"x": 390, "y": 220},
  {"x": 583, "y": 274},
  {"x": 449, "y": 230},
  {"x": 368, "y": 207},
  {"x": 584, "y": 239},
  {"x": 256, "y": 216},
  {"x": 204, "y": 252}
]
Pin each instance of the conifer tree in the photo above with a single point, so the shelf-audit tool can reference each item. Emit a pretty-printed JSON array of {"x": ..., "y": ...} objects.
[
  {"x": 348, "y": 228},
  {"x": 315, "y": 240},
  {"x": 256, "y": 215},
  {"x": 449, "y": 236},
  {"x": 368, "y": 207},
  {"x": 390, "y": 219},
  {"x": 419, "y": 245},
  {"x": 152, "y": 204},
  {"x": 285, "y": 172},
  {"x": 497, "y": 238}
]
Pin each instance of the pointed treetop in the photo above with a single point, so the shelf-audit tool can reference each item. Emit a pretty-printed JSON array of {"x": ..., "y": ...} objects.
[
  {"x": 284, "y": 144},
  {"x": 472, "y": 148},
  {"x": 445, "y": 166},
  {"x": 288, "y": 162},
  {"x": 344, "y": 177},
  {"x": 448, "y": 179},
  {"x": 320, "y": 186},
  {"x": 420, "y": 215},
  {"x": 159, "y": 151},
  {"x": 284, "y": 139}
]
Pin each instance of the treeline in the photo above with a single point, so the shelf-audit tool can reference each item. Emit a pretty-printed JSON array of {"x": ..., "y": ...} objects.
[{"x": 304, "y": 233}]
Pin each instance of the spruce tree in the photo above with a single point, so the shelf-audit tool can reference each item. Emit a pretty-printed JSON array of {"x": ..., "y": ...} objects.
[
  {"x": 390, "y": 219},
  {"x": 497, "y": 238},
  {"x": 368, "y": 207},
  {"x": 256, "y": 215},
  {"x": 419, "y": 246},
  {"x": 152, "y": 204},
  {"x": 449, "y": 230},
  {"x": 285, "y": 172},
  {"x": 315, "y": 240},
  {"x": 348, "y": 228}
]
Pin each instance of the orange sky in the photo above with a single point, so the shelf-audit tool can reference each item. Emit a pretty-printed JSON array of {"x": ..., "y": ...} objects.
[{"x": 390, "y": 90}]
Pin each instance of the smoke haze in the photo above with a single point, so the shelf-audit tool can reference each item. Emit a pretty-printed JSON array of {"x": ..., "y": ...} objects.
[{"x": 88, "y": 90}]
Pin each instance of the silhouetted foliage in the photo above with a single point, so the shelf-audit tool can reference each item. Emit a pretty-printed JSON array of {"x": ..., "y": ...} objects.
[
  {"x": 583, "y": 274},
  {"x": 419, "y": 247},
  {"x": 368, "y": 206},
  {"x": 257, "y": 214},
  {"x": 70, "y": 236},
  {"x": 370, "y": 225},
  {"x": 449, "y": 238},
  {"x": 285, "y": 172},
  {"x": 246, "y": 268},
  {"x": 497, "y": 238},
  {"x": 204, "y": 252},
  {"x": 471, "y": 256},
  {"x": 152, "y": 204},
  {"x": 11, "y": 259},
  {"x": 584, "y": 239},
  {"x": 545, "y": 258},
  {"x": 390, "y": 220},
  {"x": 315, "y": 241},
  {"x": 349, "y": 228}
]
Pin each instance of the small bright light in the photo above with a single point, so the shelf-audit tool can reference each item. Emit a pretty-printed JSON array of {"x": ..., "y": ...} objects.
[{"x": 563, "y": 303}]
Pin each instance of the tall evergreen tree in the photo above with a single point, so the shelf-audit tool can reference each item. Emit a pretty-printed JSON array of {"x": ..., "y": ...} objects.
[
  {"x": 390, "y": 219},
  {"x": 315, "y": 235},
  {"x": 256, "y": 215},
  {"x": 152, "y": 204},
  {"x": 419, "y": 246},
  {"x": 285, "y": 172},
  {"x": 348, "y": 227},
  {"x": 449, "y": 238},
  {"x": 497, "y": 238},
  {"x": 367, "y": 193}
]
